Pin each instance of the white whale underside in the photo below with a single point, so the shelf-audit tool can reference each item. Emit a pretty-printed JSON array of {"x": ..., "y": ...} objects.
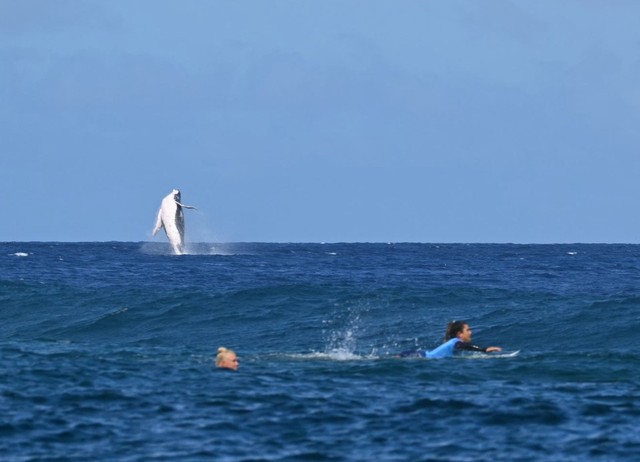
[{"x": 171, "y": 218}]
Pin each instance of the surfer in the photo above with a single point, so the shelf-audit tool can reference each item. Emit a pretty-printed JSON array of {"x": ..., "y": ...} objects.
[
  {"x": 457, "y": 339},
  {"x": 226, "y": 359}
]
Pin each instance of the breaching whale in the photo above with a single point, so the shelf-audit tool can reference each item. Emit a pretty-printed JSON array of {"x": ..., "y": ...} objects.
[{"x": 171, "y": 218}]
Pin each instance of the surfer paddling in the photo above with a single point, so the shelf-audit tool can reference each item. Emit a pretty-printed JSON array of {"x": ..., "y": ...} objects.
[{"x": 456, "y": 340}]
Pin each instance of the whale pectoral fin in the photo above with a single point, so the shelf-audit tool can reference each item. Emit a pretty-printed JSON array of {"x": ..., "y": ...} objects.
[
  {"x": 158, "y": 224},
  {"x": 186, "y": 206}
]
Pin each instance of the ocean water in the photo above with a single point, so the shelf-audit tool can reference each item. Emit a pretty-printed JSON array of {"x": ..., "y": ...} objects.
[{"x": 106, "y": 352}]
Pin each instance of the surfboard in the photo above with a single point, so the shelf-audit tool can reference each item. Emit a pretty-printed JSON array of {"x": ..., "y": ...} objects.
[
  {"x": 477, "y": 355},
  {"x": 505, "y": 354}
]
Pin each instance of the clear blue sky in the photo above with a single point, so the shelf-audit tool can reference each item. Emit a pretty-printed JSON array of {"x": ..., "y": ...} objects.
[{"x": 321, "y": 120}]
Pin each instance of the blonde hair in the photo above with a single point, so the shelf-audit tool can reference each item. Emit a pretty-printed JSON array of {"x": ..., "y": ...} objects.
[{"x": 222, "y": 352}]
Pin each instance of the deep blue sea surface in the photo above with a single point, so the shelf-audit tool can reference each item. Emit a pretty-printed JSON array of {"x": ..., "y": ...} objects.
[{"x": 106, "y": 352}]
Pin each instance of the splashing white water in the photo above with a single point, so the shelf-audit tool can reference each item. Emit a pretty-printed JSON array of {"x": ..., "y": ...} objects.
[
  {"x": 334, "y": 355},
  {"x": 342, "y": 342},
  {"x": 196, "y": 248}
]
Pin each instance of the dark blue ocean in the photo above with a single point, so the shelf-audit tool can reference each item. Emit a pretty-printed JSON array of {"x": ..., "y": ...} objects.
[{"x": 106, "y": 352}]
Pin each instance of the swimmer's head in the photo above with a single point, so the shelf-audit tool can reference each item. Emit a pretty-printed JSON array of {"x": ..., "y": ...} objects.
[
  {"x": 458, "y": 329},
  {"x": 227, "y": 359}
]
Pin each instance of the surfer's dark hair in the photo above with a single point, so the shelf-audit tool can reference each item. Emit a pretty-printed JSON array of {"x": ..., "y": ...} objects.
[{"x": 453, "y": 329}]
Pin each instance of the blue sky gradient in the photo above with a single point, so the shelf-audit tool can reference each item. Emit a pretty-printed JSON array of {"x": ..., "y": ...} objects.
[{"x": 321, "y": 121}]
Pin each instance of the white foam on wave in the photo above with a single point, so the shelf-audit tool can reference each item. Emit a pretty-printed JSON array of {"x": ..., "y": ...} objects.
[
  {"x": 333, "y": 355},
  {"x": 208, "y": 249},
  {"x": 19, "y": 254},
  {"x": 157, "y": 248}
]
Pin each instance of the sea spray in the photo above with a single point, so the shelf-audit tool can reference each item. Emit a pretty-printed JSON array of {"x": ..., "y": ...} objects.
[{"x": 107, "y": 352}]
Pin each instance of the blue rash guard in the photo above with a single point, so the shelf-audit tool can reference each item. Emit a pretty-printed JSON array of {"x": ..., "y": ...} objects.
[
  {"x": 443, "y": 351},
  {"x": 447, "y": 349}
]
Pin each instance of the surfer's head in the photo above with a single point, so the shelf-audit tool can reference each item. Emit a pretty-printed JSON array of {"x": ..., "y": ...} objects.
[
  {"x": 227, "y": 359},
  {"x": 459, "y": 329},
  {"x": 176, "y": 195}
]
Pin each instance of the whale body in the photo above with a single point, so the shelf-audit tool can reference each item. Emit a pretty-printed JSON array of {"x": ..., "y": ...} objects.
[{"x": 171, "y": 218}]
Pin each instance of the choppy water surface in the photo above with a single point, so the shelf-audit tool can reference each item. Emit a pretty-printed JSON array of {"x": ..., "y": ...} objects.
[{"x": 107, "y": 352}]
